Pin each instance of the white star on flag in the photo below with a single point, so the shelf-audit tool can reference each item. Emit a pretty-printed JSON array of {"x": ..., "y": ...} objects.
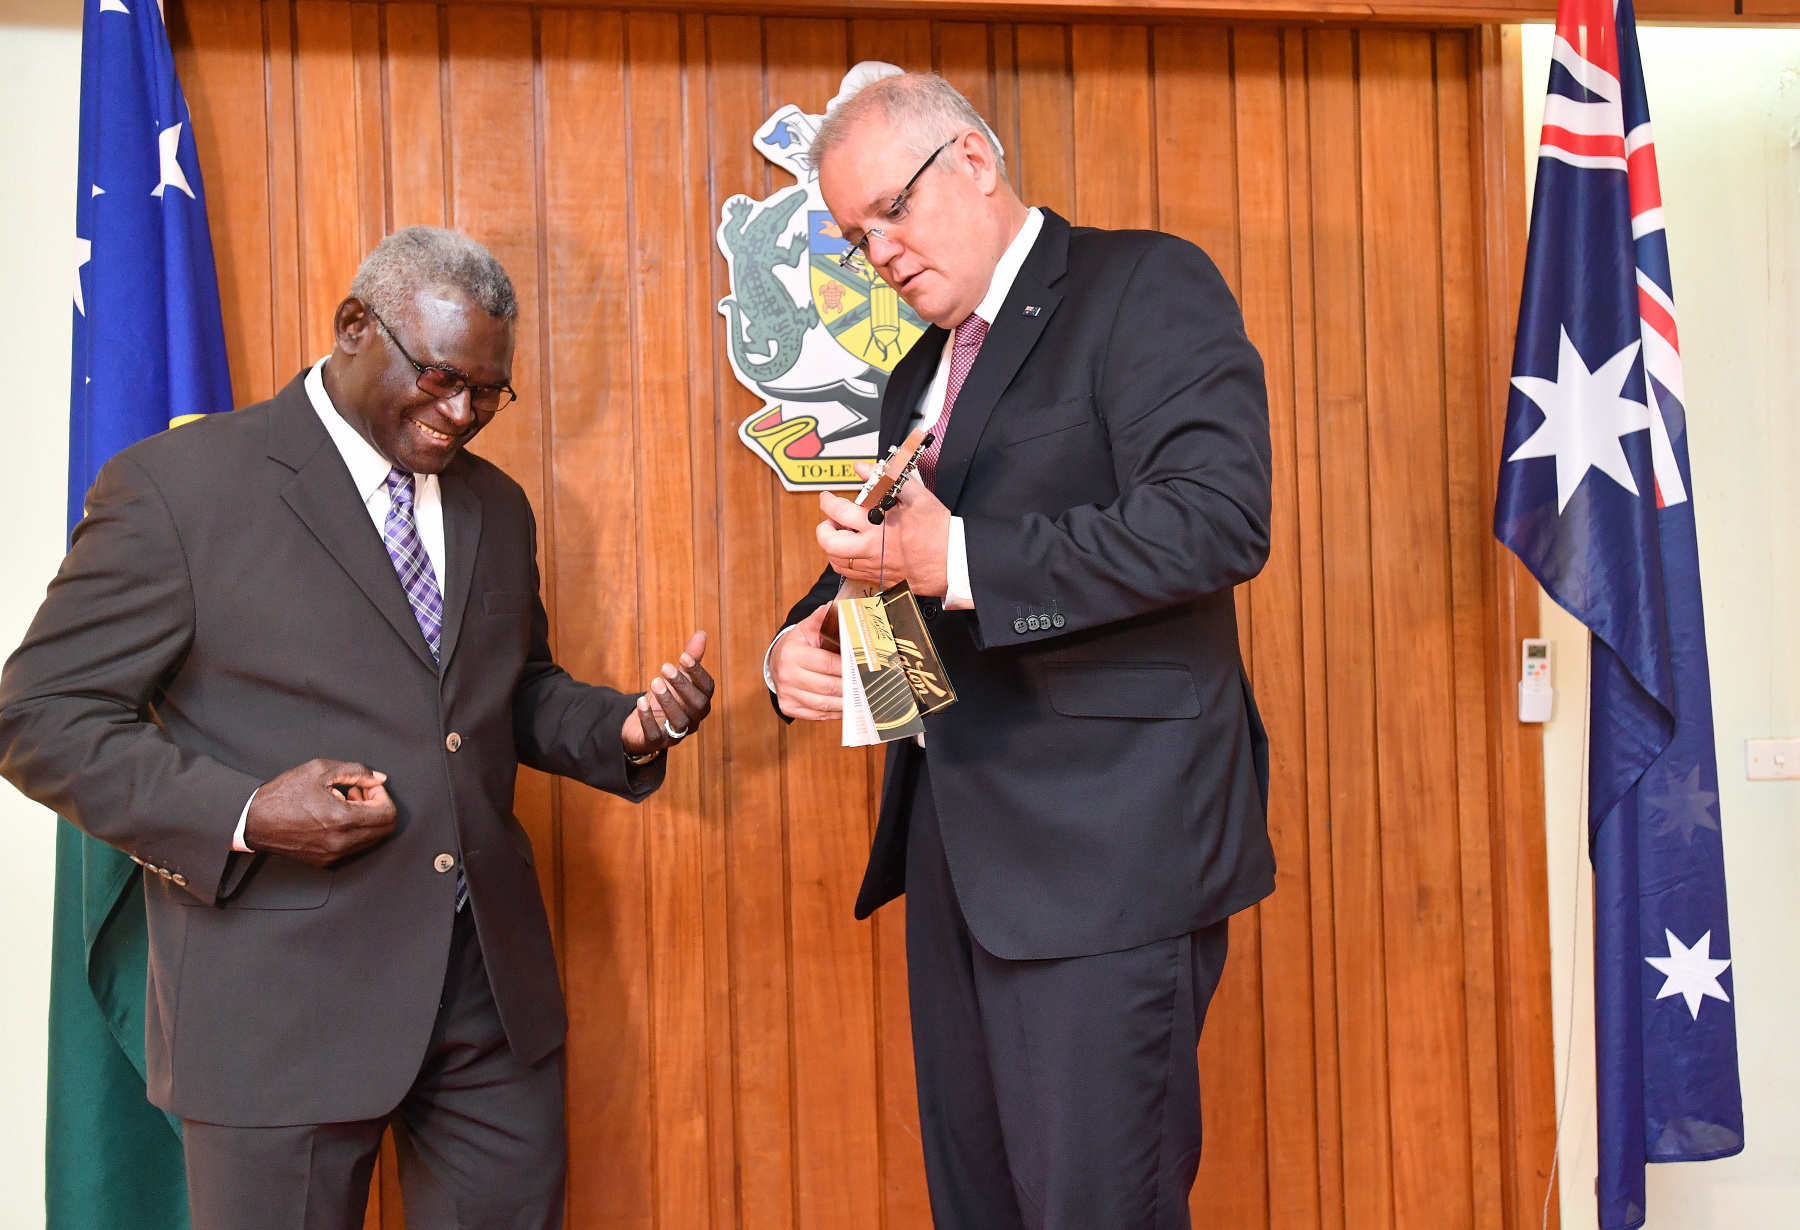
[
  {"x": 167, "y": 142},
  {"x": 1584, "y": 417},
  {"x": 1690, "y": 972},
  {"x": 84, "y": 252}
]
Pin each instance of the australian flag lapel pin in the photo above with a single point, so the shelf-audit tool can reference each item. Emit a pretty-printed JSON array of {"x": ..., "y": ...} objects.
[{"x": 1033, "y": 311}]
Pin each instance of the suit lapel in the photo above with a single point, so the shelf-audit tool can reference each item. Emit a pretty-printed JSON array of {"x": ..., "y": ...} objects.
[
  {"x": 324, "y": 498},
  {"x": 1010, "y": 339},
  {"x": 908, "y": 384},
  {"x": 462, "y": 538}
]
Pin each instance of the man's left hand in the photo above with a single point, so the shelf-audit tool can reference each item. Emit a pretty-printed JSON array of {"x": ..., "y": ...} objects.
[
  {"x": 681, "y": 697},
  {"x": 917, "y": 539}
]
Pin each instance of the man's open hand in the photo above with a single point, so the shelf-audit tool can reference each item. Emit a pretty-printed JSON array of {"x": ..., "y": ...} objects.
[
  {"x": 809, "y": 684},
  {"x": 681, "y": 696},
  {"x": 917, "y": 540},
  {"x": 320, "y": 812}
]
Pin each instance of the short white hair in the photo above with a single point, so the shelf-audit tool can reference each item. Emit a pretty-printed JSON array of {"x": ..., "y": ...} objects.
[
  {"x": 419, "y": 258},
  {"x": 923, "y": 108}
]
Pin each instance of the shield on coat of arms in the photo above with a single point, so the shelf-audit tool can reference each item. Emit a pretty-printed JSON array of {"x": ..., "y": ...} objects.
[{"x": 814, "y": 338}]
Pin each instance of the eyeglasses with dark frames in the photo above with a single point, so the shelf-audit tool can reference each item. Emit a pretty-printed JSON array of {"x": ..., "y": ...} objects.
[
  {"x": 895, "y": 212},
  {"x": 444, "y": 382}
]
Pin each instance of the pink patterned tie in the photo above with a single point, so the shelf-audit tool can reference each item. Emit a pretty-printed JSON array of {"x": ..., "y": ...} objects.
[{"x": 969, "y": 336}]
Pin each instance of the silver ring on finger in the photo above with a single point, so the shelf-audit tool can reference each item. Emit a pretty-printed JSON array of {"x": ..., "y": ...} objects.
[{"x": 675, "y": 736}]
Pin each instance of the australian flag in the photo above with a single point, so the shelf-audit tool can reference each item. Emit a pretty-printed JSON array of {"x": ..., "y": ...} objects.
[
  {"x": 1595, "y": 497},
  {"x": 149, "y": 354}
]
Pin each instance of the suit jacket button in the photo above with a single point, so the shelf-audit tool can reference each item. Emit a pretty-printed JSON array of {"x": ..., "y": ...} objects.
[
  {"x": 1034, "y": 623},
  {"x": 453, "y": 741},
  {"x": 165, "y": 873},
  {"x": 443, "y": 863},
  {"x": 1057, "y": 621},
  {"x": 180, "y": 881},
  {"x": 1019, "y": 626}
]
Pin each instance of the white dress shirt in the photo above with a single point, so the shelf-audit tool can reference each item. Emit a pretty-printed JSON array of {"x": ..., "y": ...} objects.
[
  {"x": 369, "y": 471},
  {"x": 959, "y": 594}
]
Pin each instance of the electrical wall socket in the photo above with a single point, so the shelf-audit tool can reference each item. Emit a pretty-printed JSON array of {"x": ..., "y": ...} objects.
[{"x": 1771, "y": 760}]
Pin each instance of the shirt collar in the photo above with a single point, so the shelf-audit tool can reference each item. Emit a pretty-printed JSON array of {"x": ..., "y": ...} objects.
[
  {"x": 368, "y": 468},
  {"x": 1008, "y": 269}
]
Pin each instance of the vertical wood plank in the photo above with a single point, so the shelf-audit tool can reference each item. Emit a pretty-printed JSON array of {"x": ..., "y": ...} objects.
[
  {"x": 1420, "y": 863},
  {"x": 906, "y": 43},
  {"x": 1365, "y": 1131},
  {"x": 595, "y": 555},
  {"x": 284, "y": 200},
  {"x": 660, "y": 324},
  {"x": 414, "y": 71},
  {"x": 1046, "y": 116},
  {"x": 1289, "y": 1149},
  {"x": 219, "y": 55},
  {"x": 1114, "y": 139},
  {"x": 371, "y": 134},
  {"x": 836, "y": 1084},
  {"x": 1469, "y": 504},
  {"x": 325, "y": 142},
  {"x": 1196, "y": 155},
  {"x": 965, "y": 60},
  {"x": 751, "y": 603}
]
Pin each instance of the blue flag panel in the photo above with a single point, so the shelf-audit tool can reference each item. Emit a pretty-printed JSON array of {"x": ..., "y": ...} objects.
[{"x": 1595, "y": 498}]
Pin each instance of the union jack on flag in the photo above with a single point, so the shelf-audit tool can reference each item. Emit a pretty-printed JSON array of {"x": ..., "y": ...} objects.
[{"x": 1595, "y": 498}]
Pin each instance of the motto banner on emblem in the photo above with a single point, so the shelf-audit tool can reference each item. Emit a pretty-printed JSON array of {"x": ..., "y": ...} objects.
[{"x": 814, "y": 339}]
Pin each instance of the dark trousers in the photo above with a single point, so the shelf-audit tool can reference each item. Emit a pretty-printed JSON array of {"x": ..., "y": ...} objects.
[
  {"x": 480, "y": 1136},
  {"x": 1054, "y": 1095}
]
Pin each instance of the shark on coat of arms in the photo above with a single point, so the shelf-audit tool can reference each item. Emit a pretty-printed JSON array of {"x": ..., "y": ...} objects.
[{"x": 814, "y": 339}]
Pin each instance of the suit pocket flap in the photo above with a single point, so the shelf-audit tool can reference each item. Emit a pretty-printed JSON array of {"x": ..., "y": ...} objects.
[
  {"x": 1048, "y": 420},
  {"x": 1122, "y": 690},
  {"x": 507, "y": 602},
  {"x": 276, "y": 883}
]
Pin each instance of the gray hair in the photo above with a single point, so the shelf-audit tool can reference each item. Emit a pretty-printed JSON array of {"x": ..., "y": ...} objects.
[
  {"x": 417, "y": 258},
  {"x": 923, "y": 108}
]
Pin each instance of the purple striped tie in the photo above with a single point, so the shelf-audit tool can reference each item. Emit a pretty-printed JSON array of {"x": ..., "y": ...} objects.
[
  {"x": 404, "y": 547},
  {"x": 419, "y": 579}
]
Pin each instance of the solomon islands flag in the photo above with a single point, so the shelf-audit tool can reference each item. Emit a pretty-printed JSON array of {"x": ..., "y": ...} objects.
[
  {"x": 1595, "y": 498},
  {"x": 149, "y": 353}
]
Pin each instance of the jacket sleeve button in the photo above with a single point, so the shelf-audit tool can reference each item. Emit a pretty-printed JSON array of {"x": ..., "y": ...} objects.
[
  {"x": 1019, "y": 626},
  {"x": 180, "y": 881},
  {"x": 1057, "y": 621}
]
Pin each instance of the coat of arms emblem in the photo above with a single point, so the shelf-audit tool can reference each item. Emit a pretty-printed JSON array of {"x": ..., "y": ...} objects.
[{"x": 816, "y": 340}]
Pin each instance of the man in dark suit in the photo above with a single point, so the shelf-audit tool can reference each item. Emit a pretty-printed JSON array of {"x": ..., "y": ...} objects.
[
  {"x": 291, "y": 665},
  {"x": 1074, "y": 832}
]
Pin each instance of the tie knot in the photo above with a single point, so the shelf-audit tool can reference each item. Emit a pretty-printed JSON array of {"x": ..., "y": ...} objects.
[
  {"x": 971, "y": 331},
  {"x": 400, "y": 487}
]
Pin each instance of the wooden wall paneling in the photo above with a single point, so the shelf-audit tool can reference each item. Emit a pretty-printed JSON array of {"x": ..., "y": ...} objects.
[
  {"x": 1309, "y": 543},
  {"x": 906, "y": 43},
  {"x": 1470, "y": 502},
  {"x": 708, "y": 437},
  {"x": 751, "y": 602},
  {"x": 594, "y": 552},
  {"x": 414, "y": 74},
  {"x": 964, "y": 55},
  {"x": 284, "y": 191},
  {"x": 828, "y": 803},
  {"x": 220, "y": 58},
  {"x": 329, "y": 187},
  {"x": 1114, "y": 141},
  {"x": 1365, "y": 1131},
  {"x": 1420, "y": 863},
  {"x": 661, "y": 329},
  {"x": 1045, "y": 155},
  {"x": 1005, "y": 116},
  {"x": 371, "y": 125},
  {"x": 1195, "y": 155},
  {"x": 1515, "y": 750},
  {"x": 1285, "y": 1092}
]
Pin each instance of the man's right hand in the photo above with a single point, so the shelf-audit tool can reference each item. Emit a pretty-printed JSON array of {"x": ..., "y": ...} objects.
[
  {"x": 809, "y": 683},
  {"x": 301, "y": 816}
]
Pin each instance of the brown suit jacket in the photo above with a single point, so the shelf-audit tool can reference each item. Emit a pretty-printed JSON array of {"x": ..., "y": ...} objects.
[{"x": 227, "y": 611}]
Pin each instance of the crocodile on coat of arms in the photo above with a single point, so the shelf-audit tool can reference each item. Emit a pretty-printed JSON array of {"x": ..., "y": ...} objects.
[{"x": 814, "y": 339}]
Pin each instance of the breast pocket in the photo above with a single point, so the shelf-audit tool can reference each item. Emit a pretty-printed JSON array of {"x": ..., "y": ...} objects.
[
  {"x": 1151, "y": 690},
  {"x": 507, "y": 602},
  {"x": 1052, "y": 420}
]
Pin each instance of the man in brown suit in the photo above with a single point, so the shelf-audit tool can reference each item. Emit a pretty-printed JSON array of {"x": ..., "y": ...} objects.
[{"x": 291, "y": 665}]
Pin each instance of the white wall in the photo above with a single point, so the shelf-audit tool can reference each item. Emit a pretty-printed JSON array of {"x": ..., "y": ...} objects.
[
  {"x": 40, "y": 70},
  {"x": 1726, "y": 109}
]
